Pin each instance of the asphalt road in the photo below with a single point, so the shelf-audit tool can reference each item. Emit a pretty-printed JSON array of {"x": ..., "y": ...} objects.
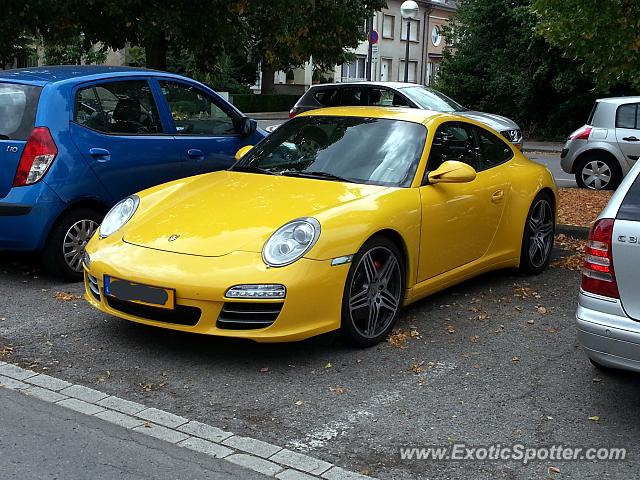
[
  {"x": 493, "y": 360},
  {"x": 40, "y": 440}
]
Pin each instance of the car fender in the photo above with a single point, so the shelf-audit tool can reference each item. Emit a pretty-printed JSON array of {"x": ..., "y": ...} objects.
[{"x": 609, "y": 147}]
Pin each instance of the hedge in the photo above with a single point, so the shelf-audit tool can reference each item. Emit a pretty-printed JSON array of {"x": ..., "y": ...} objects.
[{"x": 250, "y": 103}]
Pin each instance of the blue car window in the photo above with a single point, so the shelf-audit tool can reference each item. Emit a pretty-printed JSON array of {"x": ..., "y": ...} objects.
[
  {"x": 196, "y": 113},
  {"x": 118, "y": 108}
]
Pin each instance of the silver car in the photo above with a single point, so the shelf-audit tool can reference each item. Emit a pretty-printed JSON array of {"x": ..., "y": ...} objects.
[
  {"x": 399, "y": 94},
  {"x": 608, "y": 314},
  {"x": 601, "y": 152}
]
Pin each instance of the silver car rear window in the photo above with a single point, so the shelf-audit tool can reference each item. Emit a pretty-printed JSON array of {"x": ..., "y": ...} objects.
[
  {"x": 18, "y": 106},
  {"x": 630, "y": 206}
]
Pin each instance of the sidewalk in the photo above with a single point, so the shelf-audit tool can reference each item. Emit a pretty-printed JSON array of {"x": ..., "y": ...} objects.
[
  {"x": 551, "y": 147},
  {"x": 269, "y": 115}
]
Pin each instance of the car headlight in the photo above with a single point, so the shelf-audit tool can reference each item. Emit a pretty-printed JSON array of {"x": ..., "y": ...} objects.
[
  {"x": 290, "y": 242},
  {"x": 119, "y": 215}
]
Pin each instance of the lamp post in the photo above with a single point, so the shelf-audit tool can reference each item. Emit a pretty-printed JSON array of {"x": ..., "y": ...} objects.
[{"x": 409, "y": 11}]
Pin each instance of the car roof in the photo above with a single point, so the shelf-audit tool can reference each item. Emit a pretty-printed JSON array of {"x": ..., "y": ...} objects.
[
  {"x": 61, "y": 73},
  {"x": 376, "y": 84},
  {"x": 393, "y": 113},
  {"x": 619, "y": 100}
]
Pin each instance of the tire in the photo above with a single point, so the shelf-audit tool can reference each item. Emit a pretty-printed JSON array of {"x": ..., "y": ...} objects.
[
  {"x": 538, "y": 236},
  {"x": 63, "y": 252},
  {"x": 598, "y": 171},
  {"x": 373, "y": 293}
]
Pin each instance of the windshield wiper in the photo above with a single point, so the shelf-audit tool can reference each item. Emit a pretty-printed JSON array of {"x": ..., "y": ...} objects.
[
  {"x": 251, "y": 169},
  {"x": 314, "y": 174}
]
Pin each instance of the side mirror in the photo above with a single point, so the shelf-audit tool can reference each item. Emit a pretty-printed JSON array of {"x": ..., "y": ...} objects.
[
  {"x": 452, "y": 172},
  {"x": 243, "y": 151},
  {"x": 248, "y": 126}
]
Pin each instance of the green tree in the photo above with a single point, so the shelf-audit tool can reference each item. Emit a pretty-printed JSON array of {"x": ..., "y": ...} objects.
[
  {"x": 604, "y": 34},
  {"x": 73, "y": 52},
  {"x": 500, "y": 65},
  {"x": 285, "y": 34},
  {"x": 19, "y": 27}
]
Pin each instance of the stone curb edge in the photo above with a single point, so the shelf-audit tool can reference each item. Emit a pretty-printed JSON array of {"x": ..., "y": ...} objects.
[
  {"x": 573, "y": 231},
  {"x": 262, "y": 457}
]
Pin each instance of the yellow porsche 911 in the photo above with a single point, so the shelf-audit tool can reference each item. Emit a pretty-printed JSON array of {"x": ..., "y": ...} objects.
[{"x": 333, "y": 222}]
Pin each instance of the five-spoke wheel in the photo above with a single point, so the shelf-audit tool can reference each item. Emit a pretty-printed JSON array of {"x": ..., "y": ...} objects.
[
  {"x": 537, "y": 243},
  {"x": 373, "y": 292}
]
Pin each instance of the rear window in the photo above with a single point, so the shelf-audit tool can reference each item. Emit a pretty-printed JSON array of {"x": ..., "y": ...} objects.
[
  {"x": 630, "y": 206},
  {"x": 329, "y": 97},
  {"x": 18, "y": 106}
]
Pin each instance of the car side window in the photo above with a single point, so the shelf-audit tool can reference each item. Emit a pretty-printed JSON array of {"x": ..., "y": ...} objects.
[
  {"x": 453, "y": 141},
  {"x": 329, "y": 97},
  {"x": 494, "y": 150},
  {"x": 352, "y": 96},
  {"x": 196, "y": 113},
  {"x": 627, "y": 116},
  {"x": 118, "y": 108},
  {"x": 380, "y": 97}
]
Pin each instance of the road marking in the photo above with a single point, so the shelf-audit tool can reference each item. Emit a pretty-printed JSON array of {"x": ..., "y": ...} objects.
[{"x": 254, "y": 454}]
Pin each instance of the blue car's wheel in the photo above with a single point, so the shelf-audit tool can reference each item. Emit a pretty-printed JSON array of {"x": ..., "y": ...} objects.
[{"x": 64, "y": 251}]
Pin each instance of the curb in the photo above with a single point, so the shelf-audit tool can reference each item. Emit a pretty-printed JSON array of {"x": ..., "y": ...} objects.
[
  {"x": 573, "y": 231},
  {"x": 542, "y": 149},
  {"x": 262, "y": 457}
]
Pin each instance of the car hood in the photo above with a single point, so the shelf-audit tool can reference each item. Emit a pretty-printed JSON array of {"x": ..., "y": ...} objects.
[
  {"x": 497, "y": 122},
  {"x": 215, "y": 214}
]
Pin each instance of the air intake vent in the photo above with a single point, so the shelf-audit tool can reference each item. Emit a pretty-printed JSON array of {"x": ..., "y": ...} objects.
[
  {"x": 181, "y": 315},
  {"x": 248, "y": 315},
  {"x": 93, "y": 286}
]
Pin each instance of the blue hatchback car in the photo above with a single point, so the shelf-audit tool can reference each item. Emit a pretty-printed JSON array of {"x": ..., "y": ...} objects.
[{"x": 75, "y": 140}]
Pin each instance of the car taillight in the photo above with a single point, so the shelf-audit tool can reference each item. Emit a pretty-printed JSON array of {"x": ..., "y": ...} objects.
[
  {"x": 37, "y": 156},
  {"x": 581, "y": 134},
  {"x": 597, "y": 273},
  {"x": 293, "y": 112}
]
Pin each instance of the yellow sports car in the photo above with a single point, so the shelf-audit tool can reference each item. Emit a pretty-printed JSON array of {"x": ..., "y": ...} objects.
[{"x": 333, "y": 222}]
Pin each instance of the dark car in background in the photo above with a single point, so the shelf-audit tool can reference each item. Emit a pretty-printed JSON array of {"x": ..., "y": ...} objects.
[
  {"x": 399, "y": 94},
  {"x": 75, "y": 140}
]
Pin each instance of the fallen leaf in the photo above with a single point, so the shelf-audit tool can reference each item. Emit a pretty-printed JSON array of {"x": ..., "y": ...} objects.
[
  {"x": 551, "y": 470},
  {"x": 299, "y": 402},
  {"x": 328, "y": 365},
  {"x": 531, "y": 322},
  {"x": 596, "y": 380},
  {"x": 416, "y": 368},
  {"x": 264, "y": 370},
  {"x": 338, "y": 390},
  {"x": 66, "y": 296},
  {"x": 515, "y": 359},
  {"x": 451, "y": 329},
  {"x": 474, "y": 339},
  {"x": 542, "y": 310},
  {"x": 594, "y": 418}
]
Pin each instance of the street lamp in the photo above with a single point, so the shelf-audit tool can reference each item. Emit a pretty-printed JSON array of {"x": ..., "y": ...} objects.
[{"x": 409, "y": 11}]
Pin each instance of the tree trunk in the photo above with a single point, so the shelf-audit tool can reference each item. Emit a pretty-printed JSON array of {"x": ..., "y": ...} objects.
[
  {"x": 267, "y": 79},
  {"x": 155, "y": 51}
]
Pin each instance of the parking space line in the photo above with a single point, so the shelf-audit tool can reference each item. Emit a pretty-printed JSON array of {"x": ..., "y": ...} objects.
[{"x": 254, "y": 454}]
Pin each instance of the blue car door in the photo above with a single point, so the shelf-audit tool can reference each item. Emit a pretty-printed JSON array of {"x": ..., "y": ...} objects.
[
  {"x": 206, "y": 127},
  {"x": 117, "y": 128}
]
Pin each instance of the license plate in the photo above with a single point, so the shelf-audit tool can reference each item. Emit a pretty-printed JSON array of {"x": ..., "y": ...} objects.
[{"x": 137, "y": 293}]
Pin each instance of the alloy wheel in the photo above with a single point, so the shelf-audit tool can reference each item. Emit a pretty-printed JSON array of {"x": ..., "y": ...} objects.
[
  {"x": 375, "y": 293},
  {"x": 74, "y": 242},
  {"x": 596, "y": 175},
  {"x": 540, "y": 233}
]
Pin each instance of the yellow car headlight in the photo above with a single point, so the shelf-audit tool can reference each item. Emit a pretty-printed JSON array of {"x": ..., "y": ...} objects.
[
  {"x": 119, "y": 215},
  {"x": 291, "y": 241}
]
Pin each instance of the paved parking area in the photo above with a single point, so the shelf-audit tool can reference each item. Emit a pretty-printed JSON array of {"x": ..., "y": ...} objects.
[{"x": 493, "y": 360}]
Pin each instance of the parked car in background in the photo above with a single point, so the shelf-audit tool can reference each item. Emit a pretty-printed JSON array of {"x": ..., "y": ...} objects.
[
  {"x": 353, "y": 219},
  {"x": 75, "y": 140},
  {"x": 608, "y": 314},
  {"x": 601, "y": 152},
  {"x": 399, "y": 94}
]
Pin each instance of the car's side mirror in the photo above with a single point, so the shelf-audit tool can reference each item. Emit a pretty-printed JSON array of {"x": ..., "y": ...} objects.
[
  {"x": 243, "y": 151},
  {"x": 248, "y": 126},
  {"x": 452, "y": 171}
]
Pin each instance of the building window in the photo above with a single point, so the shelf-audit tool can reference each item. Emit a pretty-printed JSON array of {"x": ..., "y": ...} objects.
[
  {"x": 415, "y": 30},
  {"x": 436, "y": 35},
  {"x": 355, "y": 70},
  {"x": 432, "y": 72},
  {"x": 413, "y": 71},
  {"x": 388, "y": 26}
]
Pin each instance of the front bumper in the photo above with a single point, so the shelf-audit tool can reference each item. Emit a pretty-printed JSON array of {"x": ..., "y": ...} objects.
[
  {"x": 608, "y": 335},
  {"x": 312, "y": 305}
]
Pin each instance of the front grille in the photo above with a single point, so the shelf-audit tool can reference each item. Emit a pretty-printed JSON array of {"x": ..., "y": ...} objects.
[
  {"x": 93, "y": 286},
  {"x": 181, "y": 315},
  {"x": 248, "y": 315}
]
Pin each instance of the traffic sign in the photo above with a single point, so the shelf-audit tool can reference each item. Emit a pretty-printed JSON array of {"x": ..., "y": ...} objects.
[
  {"x": 375, "y": 53},
  {"x": 373, "y": 37}
]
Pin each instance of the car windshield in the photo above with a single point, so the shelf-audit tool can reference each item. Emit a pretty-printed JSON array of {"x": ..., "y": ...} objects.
[
  {"x": 429, "y": 99},
  {"x": 352, "y": 149}
]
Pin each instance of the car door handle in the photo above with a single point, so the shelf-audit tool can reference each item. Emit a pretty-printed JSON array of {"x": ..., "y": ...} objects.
[
  {"x": 100, "y": 154},
  {"x": 497, "y": 196},
  {"x": 195, "y": 153},
  {"x": 631, "y": 139}
]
